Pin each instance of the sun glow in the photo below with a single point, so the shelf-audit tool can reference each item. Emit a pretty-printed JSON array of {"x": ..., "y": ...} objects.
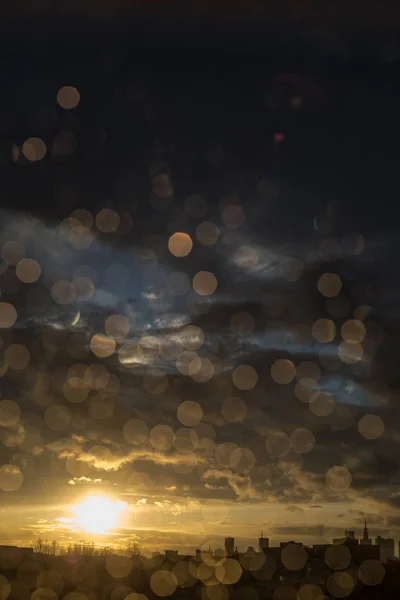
[{"x": 98, "y": 514}]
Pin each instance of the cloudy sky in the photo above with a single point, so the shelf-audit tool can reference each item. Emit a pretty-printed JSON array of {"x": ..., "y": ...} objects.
[{"x": 199, "y": 290}]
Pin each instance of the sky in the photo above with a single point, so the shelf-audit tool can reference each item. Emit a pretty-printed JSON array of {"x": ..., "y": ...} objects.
[{"x": 199, "y": 286}]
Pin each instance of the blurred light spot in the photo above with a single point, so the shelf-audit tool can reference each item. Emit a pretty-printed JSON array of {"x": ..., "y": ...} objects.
[
  {"x": 8, "y": 315},
  {"x": 223, "y": 453},
  {"x": 229, "y": 572},
  {"x": 277, "y": 444},
  {"x": 107, "y": 220},
  {"x": 329, "y": 285},
  {"x": 283, "y": 371},
  {"x": 242, "y": 460},
  {"x": 203, "y": 370},
  {"x": 117, "y": 326},
  {"x": 80, "y": 237},
  {"x": 338, "y": 479},
  {"x": 68, "y": 97},
  {"x": 10, "y": 413},
  {"x": 371, "y": 572},
  {"x": 213, "y": 511},
  {"x": 353, "y": 332},
  {"x": 191, "y": 337},
  {"x": 340, "y": 584},
  {"x": 12, "y": 252},
  {"x": 233, "y": 216},
  {"x": 136, "y": 596},
  {"x": 233, "y": 409},
  {"x": 84, "y": 216},
  {"x": 45, "y": 593},
  {"x": 188, "y": 362},
  {"x": 186, "y": 440},
  {"x": 15, "y": 153},
  {"x": 17, "y": 356},
  {"x": 371, "y": 426},
  {"x": 119, "y": 566},
  {"x": 96, "y": 377},
  {"x": 279, "y": 137},
  {"x": 285, "y": 592},
  {"x": 309, "y": 591},
  {"x": 350, "y": 353},
  {"x": 63, "y": 292},
  {"x": 322, "y": 404},
  {"x": 28, "y": 270},
  {"x": 163, "y": 583},
  {"x": 207, "y": 233},
  {"x": 34, "y": 149},
  {"x": 189, "y": 413},
  {"x": 302, "y": 440},
  {"x": 102, "y": 346},
  {"x": 205, "y": 283},
  {"x": 76, "y": 376},
  {"x": 337, "y": 557},
  {"x": 11, "y": 478},
  {"x": 161, "y": 437},
  {"x": 206, "y": 435},
  {"x": 244, "y": 377},
  {"x": 50, "y": 580},
  {"x": 180, "y": 244},
  {"x": 183, "y": 574},
  {"x": 84, "y": 290},
  {"x": 323, "y": 330}
]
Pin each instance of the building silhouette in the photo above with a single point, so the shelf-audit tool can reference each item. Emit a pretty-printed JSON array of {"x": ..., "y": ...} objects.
[
  {"x": 263, "y": 542},
  {"x": 365, "y": 540},
  {"x": 386, "y": 546},
  {"x": 229, "y": 546}
]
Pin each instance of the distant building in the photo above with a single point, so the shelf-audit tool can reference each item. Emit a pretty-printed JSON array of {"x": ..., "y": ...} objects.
[
  {"x": 350, "y": 534},
  {"x": 229, "y": 546},
  {"x": 349, "y": 538},
  {"x": 263, "y": 543},
  {"x": 386, "y": 546},
  {"x": 250, "y": 552},
  {"x": 172, "y": 554},
  {"x": 365, "y": 540}
]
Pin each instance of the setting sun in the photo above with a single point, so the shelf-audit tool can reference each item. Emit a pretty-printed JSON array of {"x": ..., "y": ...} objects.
[{"x": 98, "y": 514}]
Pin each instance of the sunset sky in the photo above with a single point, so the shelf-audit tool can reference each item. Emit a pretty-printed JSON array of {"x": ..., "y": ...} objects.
[{"x": 199, "y": 293}]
